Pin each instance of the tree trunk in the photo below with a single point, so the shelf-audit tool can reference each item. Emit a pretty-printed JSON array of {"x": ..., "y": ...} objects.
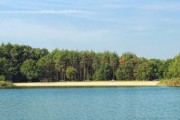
[{"x": 84, "y": 72}]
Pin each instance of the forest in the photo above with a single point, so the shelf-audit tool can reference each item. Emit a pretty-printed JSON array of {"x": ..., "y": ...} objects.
[{"x": 22, "y": 63}]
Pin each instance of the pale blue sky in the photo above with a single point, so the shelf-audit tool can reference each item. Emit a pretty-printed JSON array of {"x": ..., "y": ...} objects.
[{"x": 149, "y": 28}]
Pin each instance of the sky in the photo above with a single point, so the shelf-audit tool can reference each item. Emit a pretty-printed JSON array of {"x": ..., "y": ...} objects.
[{"x": 148, "y": 28}]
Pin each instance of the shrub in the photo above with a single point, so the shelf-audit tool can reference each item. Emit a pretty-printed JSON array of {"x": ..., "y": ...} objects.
[
  {"x": 2, "y": 78},
  {"x": 170, "y": 82},
  {"x": 5, "y": 84}
]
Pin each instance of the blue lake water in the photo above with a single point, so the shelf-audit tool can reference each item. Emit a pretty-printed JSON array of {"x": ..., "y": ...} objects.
[{"x": 120, "y": 103}]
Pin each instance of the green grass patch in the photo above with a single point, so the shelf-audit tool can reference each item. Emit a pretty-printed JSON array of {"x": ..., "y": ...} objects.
[{"x": 170, "y": 82}]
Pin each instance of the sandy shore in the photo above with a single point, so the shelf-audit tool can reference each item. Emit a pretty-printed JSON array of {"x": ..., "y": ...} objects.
[{"x": 88, "y": 84}]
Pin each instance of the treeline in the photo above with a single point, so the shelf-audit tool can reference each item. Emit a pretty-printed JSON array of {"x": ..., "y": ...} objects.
[{"x": 22, "y": 63}]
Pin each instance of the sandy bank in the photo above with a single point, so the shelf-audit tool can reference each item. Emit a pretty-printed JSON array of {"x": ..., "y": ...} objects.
[{"x": 89, "y": 84}]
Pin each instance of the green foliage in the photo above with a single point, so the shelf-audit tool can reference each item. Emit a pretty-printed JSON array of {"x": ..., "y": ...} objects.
[
  {"x": 12, "y": 57},
  {"x": 127, "y": 65},
  {"x": 142, "y": 71},
  {"x": 104, "y": 73},
  {"x": 45, "y": 67},
  {"x": 125, "y": 71},
  {"x": 154, "y": 69},
  {"x": 71, "y": 73},
  {"x": 7, "y": 68},
  {"x": 2, "y": 78},
  {"x": 18, "y": 63},
  {"x": 165, "y": 67},
  {"x": 29, "y": 69},
  {"x": 170, "y": 82},
  {"x": 174, "y": 68},
  {"x": 6, "y": 84},
  {"x": 119, "y": 74},
  {"x": 114, "y": 58},
  {"x": 89, "y": 77}
]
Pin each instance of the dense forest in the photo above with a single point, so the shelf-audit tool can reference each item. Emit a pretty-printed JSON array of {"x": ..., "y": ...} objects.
[{"x": 22, "y": 63}]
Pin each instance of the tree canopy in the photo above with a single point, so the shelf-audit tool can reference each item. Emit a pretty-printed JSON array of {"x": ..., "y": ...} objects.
[{"x": 22, "y": 63}]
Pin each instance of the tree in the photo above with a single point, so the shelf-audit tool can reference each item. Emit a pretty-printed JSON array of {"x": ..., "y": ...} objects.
[
  {"x": 46, "y": 68},
  {"x": 154, "y": 72},
  {"x": 2, "y": 66},
  {"x": 114, "y": 62},
  {"x": 83, "y": 64},
  {"x": 14, "y": 56},
  {"x": 29, "y": 69},
  {"x": 6, "y": 68},
  {"x": 165, "y": 68},
  {"x": 125, "y": 71},
  {"x": 71, "y": 73},
  {"x": 60, "y": 60},
  {"x": 18, "y": 63},
  {"x": 142, "y": 72},
  {"x": 174, "y": 68},
  {"x": 104, "y": 73},
  {"x": 127, "y": 64}
]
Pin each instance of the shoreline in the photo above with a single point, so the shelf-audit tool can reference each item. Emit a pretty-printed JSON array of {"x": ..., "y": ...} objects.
[{"x": 89, "y": 84}]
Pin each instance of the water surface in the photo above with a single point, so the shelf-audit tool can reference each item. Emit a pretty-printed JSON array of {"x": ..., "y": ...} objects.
[{"x": 118, "y": 103}]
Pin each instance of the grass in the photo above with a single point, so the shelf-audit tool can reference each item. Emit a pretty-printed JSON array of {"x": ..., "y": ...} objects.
[
  {"x": 170, "y": 82},
  {"x": 6, "y": 84}
]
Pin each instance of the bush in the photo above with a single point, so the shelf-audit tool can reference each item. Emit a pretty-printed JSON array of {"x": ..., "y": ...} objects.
[
  {"x": 5, "y": 84},
  {"x": 170, "y": 82},
  {"x": 2, "y": 78}
]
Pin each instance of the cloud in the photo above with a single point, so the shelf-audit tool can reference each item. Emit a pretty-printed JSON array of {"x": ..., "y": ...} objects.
[
  {"x": 146, "y": 6},
  {"x": 172, "y": 6},
  {"x": 85, "y": 14},
  {"x": 68, "y": 11}
]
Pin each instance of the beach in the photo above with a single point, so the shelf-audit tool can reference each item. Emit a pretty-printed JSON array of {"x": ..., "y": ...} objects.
[{"x": 89, "y": 84}]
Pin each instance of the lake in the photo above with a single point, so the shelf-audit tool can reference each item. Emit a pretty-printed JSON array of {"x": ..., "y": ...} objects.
[{"x": 115, "y": 103}]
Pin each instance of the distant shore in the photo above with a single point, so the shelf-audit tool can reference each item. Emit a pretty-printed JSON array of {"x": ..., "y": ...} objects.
[{"x": 89, "y": 84}]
